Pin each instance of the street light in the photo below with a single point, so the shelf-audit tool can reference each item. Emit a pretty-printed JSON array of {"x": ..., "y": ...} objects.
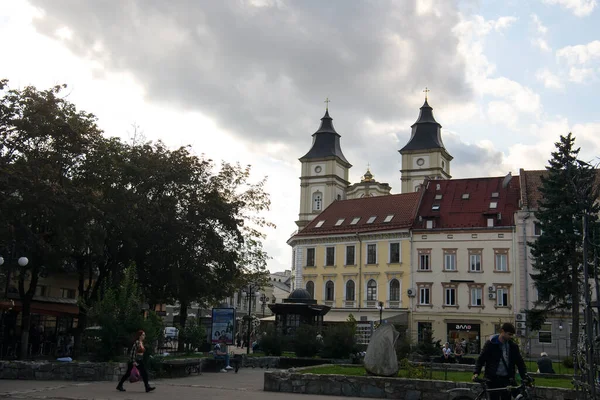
[
  {"x": 249, "y": 294},
  {"x": 380, "y": 307},
  {"x": 264, "y": 299}
]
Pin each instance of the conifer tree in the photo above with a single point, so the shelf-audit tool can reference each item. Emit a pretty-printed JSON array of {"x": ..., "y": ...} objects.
[{"x": 568, "y": 191}]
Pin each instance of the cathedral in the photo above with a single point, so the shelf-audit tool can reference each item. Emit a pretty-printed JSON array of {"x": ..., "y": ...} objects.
[{"x": 325, "y": 169}]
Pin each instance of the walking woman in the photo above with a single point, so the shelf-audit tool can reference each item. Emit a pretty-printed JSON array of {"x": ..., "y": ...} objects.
[{"x": 136, "y": 356}]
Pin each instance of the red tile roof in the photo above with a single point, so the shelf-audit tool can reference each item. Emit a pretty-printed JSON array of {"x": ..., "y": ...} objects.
[
  {"x": 456, "y": 212},
  {"x": 401, "y": 206}
]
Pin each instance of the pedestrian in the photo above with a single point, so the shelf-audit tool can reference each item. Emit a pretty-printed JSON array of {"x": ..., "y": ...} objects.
[
  {"x": 500, "y": 355},
  {"x": 544, "y": 364},
  {"x": 458, "y": 351},
  {"x": 238, "y": 339},
  {"x": 136, "y": 358},
  {"x": 222, "y": 354},
  {"x": 447, "y": 352}
]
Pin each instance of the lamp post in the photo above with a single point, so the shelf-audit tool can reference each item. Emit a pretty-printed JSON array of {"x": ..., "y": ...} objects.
[
  {"x": 380, "y": 308},
  {"x": 249, "y": 295},
  {"x": 264, "y": 299}
]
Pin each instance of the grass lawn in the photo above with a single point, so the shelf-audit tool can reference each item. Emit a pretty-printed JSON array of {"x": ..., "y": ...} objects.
[
  {"x": 453, "y": 376},
  {"x": 558, "y": 367}
]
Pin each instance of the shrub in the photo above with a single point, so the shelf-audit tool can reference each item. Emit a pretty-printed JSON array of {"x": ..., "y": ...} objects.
[
  {"x": 271, "y": 342},
  {"x": 193, "y": 335},
  {"x": 413, "y": 371},
  {"x": 568, "y": 362},
  {"x": 339, "y": 341},
  {"x": 403, "y": 347},
  {"x": 429, "y": 347},
  {"x": 306, "y": 343}
]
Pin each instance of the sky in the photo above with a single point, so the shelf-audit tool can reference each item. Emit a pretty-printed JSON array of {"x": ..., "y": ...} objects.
[{"x": 246, "y": 80}]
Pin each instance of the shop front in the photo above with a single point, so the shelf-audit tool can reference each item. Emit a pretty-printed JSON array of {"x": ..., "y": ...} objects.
[{"x": 468, "y": 334}]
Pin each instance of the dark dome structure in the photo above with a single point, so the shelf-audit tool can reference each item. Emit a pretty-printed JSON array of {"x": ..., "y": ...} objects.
[{"x": 300, "y": 294}]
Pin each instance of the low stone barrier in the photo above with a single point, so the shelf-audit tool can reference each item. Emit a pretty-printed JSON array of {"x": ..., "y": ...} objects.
[
  {"x": 292, "y": 381},
  {"x": 64, "y": 371},
  {"x": 288, "y": 362}
]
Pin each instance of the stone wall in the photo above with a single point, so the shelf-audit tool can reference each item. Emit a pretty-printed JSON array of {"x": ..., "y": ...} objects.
[
  {"x": 65, "y": 371},
  {"x": 380, "y": 387},
  {"x": 288, "y": 362}
]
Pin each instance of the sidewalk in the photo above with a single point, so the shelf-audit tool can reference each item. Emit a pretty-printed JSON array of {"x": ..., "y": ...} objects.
[{"x": 208, "y": 385}]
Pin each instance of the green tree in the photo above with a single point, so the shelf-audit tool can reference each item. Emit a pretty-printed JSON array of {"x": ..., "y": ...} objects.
[
  {"x": 43, "y": 140},
  {"x": 568, "y": 191}
]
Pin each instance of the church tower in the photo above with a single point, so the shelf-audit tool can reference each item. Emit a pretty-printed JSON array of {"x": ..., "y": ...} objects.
[
  {"x": 424, "y": 156},
  {"x": 324, "y": 175}
]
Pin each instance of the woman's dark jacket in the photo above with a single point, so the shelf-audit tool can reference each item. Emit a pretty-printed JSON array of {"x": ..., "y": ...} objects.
[{"x": 491, "y": 357}]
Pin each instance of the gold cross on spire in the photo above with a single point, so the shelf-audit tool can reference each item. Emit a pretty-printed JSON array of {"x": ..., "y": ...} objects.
[
  {"x": 426, "y": 91},
  {"x": 327, "y": 101}
]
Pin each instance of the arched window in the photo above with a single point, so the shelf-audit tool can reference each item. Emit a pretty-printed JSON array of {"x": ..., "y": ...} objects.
[
  {"x": 371, "y": 290},
  {"x": 350, "y": 290},
  {"x": 329, "y": 295},
  {"x": 394, "y": 290},
  {"x": 339, "y": 196},
  {"x": 317, "y": 201},
  {"x": 310, "y": 288}
]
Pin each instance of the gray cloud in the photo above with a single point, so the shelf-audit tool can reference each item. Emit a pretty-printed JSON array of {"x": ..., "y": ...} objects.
[{"x": 263, "y": 72}]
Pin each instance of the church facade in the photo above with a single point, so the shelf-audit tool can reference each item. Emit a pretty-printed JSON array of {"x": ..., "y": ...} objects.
[{"x": 446, "y": 255}]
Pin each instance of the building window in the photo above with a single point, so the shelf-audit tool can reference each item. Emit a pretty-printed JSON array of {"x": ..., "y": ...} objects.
[
  {"x": 310, "y": 288},
  {"x": 502, "y": 295},
  {"x": 425, "y": 295},
  {"x": 449, "y": 260},
  {"x": 450, "y": 296},
  {"x": 394, "y": 253},
  {"x": 424, "y": 332},
  {"x": 317, "y": 201},
  {"x": 474, "y": 260},
  {"x": 350, "y": 251},
  {"x": 501, "y": 260},
  {"x": 545, "y": 333},
  {"x": 350, "y": 290},
  {"x": 424, "y": 260},
  {"x": 371, "y": 290},
  {"x": 330, "y": 256},
  {"x": 372, "y": 254},
  {"x": 537, "y": 229},
  {"x": 394, "y": 290},
  {"x": 67, "y": 293},
  {"x": 371, "y": 219},
  {"x": 490, "y": 222},
  {"x": 355, "y": 221},
  {"x": 329, "y": 293},
  {"x": 310, "y": 257},
  {"x": 41, "y": 290},
  {"x": 476, "y": 297},
  {"x": 429, "y": 224}
]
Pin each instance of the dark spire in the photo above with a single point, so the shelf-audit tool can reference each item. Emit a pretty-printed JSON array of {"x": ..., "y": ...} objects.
[
  {"x": 426, "y": 132},
  {"x": 326, "y": 142}
]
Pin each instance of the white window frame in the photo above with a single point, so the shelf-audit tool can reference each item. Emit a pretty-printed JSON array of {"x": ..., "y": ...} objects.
[
  {"x": 448, "y": 290},
  {"x": 346, "y": 254},
  {"x": 317, "y": 201},
  {"x": 325, "y": 290},
  {"x": 367, "y": 254},
  {"x": 504, "y": 257},
  {"x": 399, "y": 289},
  {"x": 500, "y": 293},
  {"x": 473, "y": 266},
  {"x": 371, "y": 219},
  {"x": 399, "y": 253},
  {"x": 423, "y": 256},
  {"x": 425, "y": 292},
  {"x": 451, "y": 256},
  {"x": 547, "y": 325},
  {"x": 476, "y": 294},
  {"x": 355, "y": 221},
  {"x": 314, "y": 257},
  {"x": 333, "y": 261},
  {"x": 346, "y": 290}
]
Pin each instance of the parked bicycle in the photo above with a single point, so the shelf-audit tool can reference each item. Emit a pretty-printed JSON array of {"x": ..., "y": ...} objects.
[{"x": 524, "y": 391}]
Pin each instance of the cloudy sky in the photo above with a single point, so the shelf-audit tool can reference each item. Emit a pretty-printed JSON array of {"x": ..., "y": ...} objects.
[{"x": 245, "y": 80}]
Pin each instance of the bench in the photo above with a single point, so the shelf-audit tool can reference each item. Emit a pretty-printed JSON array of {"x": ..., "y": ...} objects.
[{"x": 188, "y": 366}]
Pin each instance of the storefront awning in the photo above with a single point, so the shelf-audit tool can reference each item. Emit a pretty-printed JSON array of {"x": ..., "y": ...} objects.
[{"x": 44, "y": 308}]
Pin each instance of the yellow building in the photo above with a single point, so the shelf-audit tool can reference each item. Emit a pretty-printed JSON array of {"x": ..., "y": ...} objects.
[{"x": 355, "y": 257}]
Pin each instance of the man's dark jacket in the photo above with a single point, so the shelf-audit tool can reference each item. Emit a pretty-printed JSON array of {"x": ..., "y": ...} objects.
[{"x": 491, "y": 357}]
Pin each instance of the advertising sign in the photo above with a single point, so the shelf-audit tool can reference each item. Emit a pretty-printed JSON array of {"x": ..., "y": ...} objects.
[{"x": 223, "y": 325}]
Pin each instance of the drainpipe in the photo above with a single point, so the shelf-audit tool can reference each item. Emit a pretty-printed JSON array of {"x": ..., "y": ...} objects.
[
  {"x": 412, "y": 284},
  {"x": 526, "y": 264},
  {"x": 359, "y": 270}
]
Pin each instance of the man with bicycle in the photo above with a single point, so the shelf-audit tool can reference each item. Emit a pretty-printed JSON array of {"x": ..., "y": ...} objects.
[{"x": 500, "y": 355}]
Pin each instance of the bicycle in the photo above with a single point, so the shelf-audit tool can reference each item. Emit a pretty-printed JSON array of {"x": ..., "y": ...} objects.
[{"x": 520, "y": 392}]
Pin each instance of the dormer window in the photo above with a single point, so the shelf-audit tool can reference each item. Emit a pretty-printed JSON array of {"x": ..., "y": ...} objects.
[
  {"x": 495, "y": 195},
  {"x": 465, "y": 196},
  {"x": 339, "y": 222},
  {"x": 438, "y": 196},
  {"x": 429, "y": 224},
  {"x": 355, "y": 221},
  {"x": 319, "y": 224},
  {"x": 371, "y": 219},
  {"x": 493, "y": 204},
  {"x": 435, "y": 207},
  {"x": 490, "y": 222},
  {"x": 388, "y": 218}
]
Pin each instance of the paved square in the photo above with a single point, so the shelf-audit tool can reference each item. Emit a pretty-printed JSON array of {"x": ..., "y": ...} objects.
[{"x": 247, "y": 383}]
